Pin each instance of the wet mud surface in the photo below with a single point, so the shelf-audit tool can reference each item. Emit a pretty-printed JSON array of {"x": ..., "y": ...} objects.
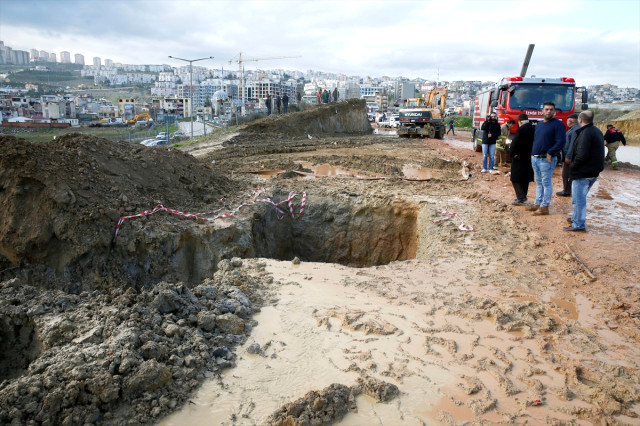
[{"x": 409, "y": 290}]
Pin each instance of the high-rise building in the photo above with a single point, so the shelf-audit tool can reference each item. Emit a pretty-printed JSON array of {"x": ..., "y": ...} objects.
[
  {"x": 97, "y": 61},
  {"x": 79, "y": 59},
  {"x": 44, "y": 56},
  {"x": 34, "y": 54},
  {"x": 65, "y": 57},
  {"x": 108, "y": 63},
  {"x": 52, "y": 57}
]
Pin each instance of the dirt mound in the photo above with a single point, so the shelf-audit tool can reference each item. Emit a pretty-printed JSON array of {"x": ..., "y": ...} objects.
[
  {"x": 118, "y": 356},
  {"x": 328, "y": 119},
  {"x": 60, "y": 202}
]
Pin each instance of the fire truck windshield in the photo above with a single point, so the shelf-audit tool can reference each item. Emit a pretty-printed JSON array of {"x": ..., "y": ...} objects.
[{"x": 533, "y": 96}]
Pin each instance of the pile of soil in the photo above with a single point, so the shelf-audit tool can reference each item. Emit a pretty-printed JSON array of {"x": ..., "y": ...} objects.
[
  {"x": 110, "y": 355},
  {"x": 60, "y": 202}
]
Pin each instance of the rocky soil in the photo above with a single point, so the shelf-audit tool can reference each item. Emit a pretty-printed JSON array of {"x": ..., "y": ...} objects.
[{"x": 102, "y": 331}]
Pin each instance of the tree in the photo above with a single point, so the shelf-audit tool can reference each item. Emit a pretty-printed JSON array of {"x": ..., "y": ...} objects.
[{"x": 207, "y": 102}]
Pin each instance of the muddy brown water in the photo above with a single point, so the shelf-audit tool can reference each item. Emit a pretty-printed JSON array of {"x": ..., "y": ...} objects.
[{"x": 332, "y": 322}]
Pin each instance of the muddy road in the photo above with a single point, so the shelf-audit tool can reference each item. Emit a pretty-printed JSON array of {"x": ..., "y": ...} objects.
[{"x": 366, "y": 279}]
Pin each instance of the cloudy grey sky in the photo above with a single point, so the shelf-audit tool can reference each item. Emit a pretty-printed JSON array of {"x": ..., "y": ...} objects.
[{"x": 596, "y": 42}]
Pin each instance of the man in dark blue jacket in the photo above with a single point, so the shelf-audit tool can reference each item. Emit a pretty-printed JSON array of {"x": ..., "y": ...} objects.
[
  {"x": 548, "y": 141},
  {"x": 587, "y": 161}
]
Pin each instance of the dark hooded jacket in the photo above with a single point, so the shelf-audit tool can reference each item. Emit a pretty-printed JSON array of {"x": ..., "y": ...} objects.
[
  {"x": 520, "y": 152},
  {"x": 490, "y": 127},
  {"x": 587, "y": 159}
]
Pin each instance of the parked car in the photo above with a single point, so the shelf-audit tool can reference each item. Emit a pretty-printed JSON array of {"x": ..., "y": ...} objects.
[
  {"x": 146, "y": 142},
  {"x": 162, "y": 135}
]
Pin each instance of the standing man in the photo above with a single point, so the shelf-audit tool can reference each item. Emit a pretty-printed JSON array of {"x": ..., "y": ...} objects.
[
  {"x": 587, "y": 161},
  {"x": 285, "y": 103},
  {"x": 451, "y": 129},
  {"x": 490, "y": 132},
  {"x": 268, "y": 104},
  {"x": 612, "y": 139},
  {"x": 501, "y": 154},
  {"x": 567, "y": 152},
  {"x": 335, "y": 94},
  {"x": 548, "y": 140},
  {"x": 520, "y": 151},
  {"x": 278, "y": 103},
  {"x": 319, "y": 96}
]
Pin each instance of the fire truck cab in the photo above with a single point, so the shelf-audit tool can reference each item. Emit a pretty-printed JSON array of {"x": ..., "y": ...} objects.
[{"x": 516, "y": 95}]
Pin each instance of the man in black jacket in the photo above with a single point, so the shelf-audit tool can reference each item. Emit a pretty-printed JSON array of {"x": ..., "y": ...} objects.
[
  {"x": 587, "y": 161},
  {"x": 520, "y": 151},
  {"x": 490, "y": 132}
]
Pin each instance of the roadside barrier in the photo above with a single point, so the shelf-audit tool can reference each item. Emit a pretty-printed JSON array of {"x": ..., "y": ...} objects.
[
  {"x": 446, "y": 215},
  {"x": 258, "y": 197}
]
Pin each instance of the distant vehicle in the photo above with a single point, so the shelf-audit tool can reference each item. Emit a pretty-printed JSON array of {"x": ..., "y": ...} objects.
[
  {"x": 162, "y": 135},
  {"x": 106, "y": 122},
  {"x": 424, "y": 117},
  {"x": 394, "y": 121},
  {"x": 157, "y": 142},
  {"x": 140, "y": 120},
  {"x": 146, "y": 142}
]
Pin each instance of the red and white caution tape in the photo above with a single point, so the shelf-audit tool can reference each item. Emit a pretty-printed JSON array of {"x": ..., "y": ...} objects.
[
  {"x": 205, "y": 216},
  {"x": 446, "y": 215}
]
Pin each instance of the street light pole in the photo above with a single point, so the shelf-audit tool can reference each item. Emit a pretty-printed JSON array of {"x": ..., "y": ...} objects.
[{"x": 191, "y": 61}]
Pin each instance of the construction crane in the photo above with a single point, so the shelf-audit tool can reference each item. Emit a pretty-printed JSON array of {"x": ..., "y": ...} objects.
[{"x": 241, "y": 61}]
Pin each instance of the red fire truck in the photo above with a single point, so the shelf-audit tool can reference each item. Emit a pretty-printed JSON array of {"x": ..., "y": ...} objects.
[{"x": 516, "y": 95}]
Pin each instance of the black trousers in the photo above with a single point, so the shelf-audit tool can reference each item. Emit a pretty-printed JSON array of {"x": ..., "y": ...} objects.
[
  {"x": 522, "y": 189},
  {"x": 566, "y": 184}
]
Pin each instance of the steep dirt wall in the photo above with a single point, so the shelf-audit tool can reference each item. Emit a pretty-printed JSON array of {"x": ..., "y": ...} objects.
[{"x": 338, "y": 117}]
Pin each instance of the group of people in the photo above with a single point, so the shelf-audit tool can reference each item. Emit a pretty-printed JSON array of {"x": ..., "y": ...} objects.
[
  {"x": 535, "y": 152},
  {"x": 280, "y": 102},
  {"x": 324, "y": 96}
]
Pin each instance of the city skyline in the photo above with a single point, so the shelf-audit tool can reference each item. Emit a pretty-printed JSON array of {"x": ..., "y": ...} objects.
[{"x": 438, "y": 41}]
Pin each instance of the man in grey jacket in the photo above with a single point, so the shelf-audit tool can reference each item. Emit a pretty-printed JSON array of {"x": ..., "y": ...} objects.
[{"x": 572, "y": 124}]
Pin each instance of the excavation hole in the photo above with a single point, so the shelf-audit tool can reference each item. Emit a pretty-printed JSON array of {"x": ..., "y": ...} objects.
[
  {"x": 19, "y": 346},
  {"x": 350, "y": 234}
]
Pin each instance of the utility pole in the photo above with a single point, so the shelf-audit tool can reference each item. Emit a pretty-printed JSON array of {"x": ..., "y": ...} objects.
[{"x": 191, "y": 61}]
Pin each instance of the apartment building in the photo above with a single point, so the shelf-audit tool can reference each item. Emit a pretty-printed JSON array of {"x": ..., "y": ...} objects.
[
  {"x": 65, "y": 57},
  {"x": 97, "y": 62},
  {"x": 79, "y": 59}
]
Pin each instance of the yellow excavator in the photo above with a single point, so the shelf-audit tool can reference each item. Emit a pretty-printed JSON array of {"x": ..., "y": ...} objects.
[
  {"x": 424, "y": 117},
  {"x": 139, "y": 119}
]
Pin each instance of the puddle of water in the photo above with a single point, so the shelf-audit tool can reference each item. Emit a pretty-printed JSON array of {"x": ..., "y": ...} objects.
[
  {"x": 613, "y": 205},
  {"x": 629, "y": 154},
  {"x": 327, "y": 170},
  {"x": 411, "y": 171}
]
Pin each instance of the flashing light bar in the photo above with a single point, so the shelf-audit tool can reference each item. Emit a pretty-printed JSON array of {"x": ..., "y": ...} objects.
[
  {"x": 514, "y": 78},
  {"x": 568, "y": 80}
]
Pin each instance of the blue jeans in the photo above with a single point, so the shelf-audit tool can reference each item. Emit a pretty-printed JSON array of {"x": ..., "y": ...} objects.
[
  {"x": 579, "y": 190},
  {"x": 488, "y": 152},
  {"x": 543, "y": 171}
]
